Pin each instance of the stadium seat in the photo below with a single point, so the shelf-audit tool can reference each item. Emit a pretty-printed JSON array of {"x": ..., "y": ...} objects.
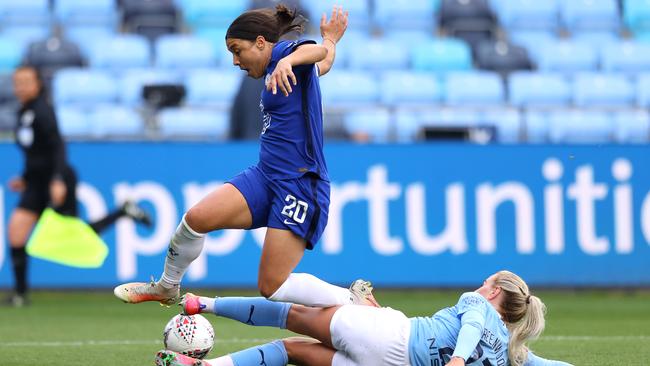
[
  {"x": 502, "y": 57},
  {"x": 24, "y": 13},
  {"x": 212, "y": 87},
  {"x": 568, "y": 57},
  {"x": 176, "y": 51},
  {"x": 595, "y": 39},
  {"x": 98, "y": 13},
  {"x": 25, "y": 35},
  {"x": 536, "y": 126},
  {"x": 216, "y": 36},
  {"x": 359, "y": 11},
  {"x": 83, "y": 88},
  {"x": 627, "y": 57},
  {"x": 580, "y": 126},
  {"x": 533, "y": 41},
  {"x": 193, "y": 123},
  {"x": 442, "y": 55},
  {"x": 408, "y": 126},
  {"x": 404, "y": 87},
  {"x": 378, "y": 54},
  {"x": 133, "y": 81},
  {"x": 10, "y": 54},
  {"x": 201, "y": 13},
  {"x": 409, "y": 123},
  {"x": 470, "y": 20},
  {"x": 376, "y": 123},
  {"x": 538, "y": 89},
  {"x": 151, "y": 18},
  {"x": 643, "y": 90},
  {"x": 125, "y": 51},
  {"x": 86, "y": 37},
  {"x": 405, "y": 14},
  {"x": 636, "y": 14},
  {"x": 73, "y": 122},
  {"x": 507, "y": 122},
  {"x": 528, "y": 14},
  {"x": 53, "y": 54},
  {"x": 349, "y": 43},
  {"x": 590, "y": 15},
  {"x": 474, "y": 88},
  {"x": 6, "y": 88},
  {"x": 605, "y": 90},
  {"x": 632, "y": 126},
  {"x": 343, "y": 89},
  {"x": 116, "y": 121},
  {"x": 408, "y": 38}
]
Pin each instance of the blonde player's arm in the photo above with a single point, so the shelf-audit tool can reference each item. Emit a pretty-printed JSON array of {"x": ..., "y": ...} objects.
[{"x": 331, "y": 31}]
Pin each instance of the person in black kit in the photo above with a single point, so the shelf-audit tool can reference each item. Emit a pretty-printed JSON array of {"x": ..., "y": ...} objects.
[{"x": 47, "y": 179}]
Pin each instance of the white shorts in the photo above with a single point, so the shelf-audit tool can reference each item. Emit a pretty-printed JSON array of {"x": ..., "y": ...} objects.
[{"x": 368, "y": 336}]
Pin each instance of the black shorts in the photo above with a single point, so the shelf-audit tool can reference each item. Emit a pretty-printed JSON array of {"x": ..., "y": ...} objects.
[{"x": 36, "y": 196}]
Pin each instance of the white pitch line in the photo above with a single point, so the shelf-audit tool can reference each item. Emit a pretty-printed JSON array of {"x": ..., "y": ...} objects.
[{"x": 265, "y": 340}]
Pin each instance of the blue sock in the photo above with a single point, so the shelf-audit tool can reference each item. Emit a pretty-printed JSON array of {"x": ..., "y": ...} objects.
[
  {"x": 256, "y": 311},
  {"x": 270, "y": 354}
]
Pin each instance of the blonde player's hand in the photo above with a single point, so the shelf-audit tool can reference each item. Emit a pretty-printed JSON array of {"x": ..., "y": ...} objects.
[
  {"x": 282, "y": 77},
  {"x": 17, "y": 184},
  {"x": 57, "y": 192},
  {"x": 336, "y": 26}
]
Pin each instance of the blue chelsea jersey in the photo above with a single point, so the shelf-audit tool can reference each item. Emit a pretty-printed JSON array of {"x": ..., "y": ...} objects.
[
  {"x": 292, "y": 131},
  {"x": 434, "y": 339}
]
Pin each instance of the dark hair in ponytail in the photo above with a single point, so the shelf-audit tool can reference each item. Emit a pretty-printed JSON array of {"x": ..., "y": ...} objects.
[{"x": 268, "y": 23}]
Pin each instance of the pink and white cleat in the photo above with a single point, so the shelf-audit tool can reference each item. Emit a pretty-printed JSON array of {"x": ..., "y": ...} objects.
[
  {"x": 191, "y": 304},
  {"x": 171, "y": 358},
  {"x": 361, "y": 292},
  {"x": 137, "y": 292}
]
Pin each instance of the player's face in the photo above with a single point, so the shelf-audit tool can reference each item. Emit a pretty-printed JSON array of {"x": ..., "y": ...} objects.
[
  {"x": 26, "y": 85},
  {"x": 488, "y": 287},
  {"x": 249, "y": 56}
]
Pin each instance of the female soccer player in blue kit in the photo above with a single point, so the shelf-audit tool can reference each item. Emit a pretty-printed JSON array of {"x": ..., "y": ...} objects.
[
  {"x": 488, "y": 327},
  {"x": 288, "y": 190}
]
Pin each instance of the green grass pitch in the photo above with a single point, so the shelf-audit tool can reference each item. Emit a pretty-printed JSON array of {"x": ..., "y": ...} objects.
[{"x": 93, "y": 328}]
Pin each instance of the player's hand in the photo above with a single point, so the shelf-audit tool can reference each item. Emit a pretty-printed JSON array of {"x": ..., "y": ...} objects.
[
  {"x": 282, "y": 77},
  {"x": 17, "y": 184},
  {"x": 336, "y": 26},
  {"x": 456, "y": 361},
  {"x": 57, "y": 192}
]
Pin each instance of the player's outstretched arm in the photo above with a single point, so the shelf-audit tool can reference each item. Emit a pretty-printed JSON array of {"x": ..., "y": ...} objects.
[
  {"x": 534, "y": 360},
  {"x": 332, "y": 31},
  {"x": 283, "y": 76}
]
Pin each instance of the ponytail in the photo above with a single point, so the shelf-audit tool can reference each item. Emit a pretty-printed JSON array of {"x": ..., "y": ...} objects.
[
  {"x": 523, "y": 314},
  {"x": 268, "y": 23}
]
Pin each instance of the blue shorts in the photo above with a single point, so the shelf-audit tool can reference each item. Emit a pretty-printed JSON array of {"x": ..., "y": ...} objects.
[{"x": 300, "y": 205}]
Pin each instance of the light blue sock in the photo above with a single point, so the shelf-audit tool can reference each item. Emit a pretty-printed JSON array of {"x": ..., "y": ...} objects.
[
  {"x": 256, "y": 311},
  {"x": 270, "y": 354}
]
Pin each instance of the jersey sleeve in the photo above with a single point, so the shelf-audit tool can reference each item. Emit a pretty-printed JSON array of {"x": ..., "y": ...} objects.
[
  {"x": 285, "y": 48},
  {"x": 472, "y": 310}
]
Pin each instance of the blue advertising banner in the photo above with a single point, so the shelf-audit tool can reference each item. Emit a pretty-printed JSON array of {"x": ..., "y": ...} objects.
[{"x": 400, "y": 215}]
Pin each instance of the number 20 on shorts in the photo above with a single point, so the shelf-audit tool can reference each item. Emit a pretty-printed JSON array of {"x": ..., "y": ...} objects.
[{"x": 295, "y": 209}]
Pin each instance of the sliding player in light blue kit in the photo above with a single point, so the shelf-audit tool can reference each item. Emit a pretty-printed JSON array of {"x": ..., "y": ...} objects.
[{"x": 488, "y": 327}]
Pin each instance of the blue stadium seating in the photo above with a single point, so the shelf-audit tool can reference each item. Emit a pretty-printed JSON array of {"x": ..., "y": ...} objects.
[
  {"x": 643, "y": 90},
  {"x": 73, "y": 122},
  {"x": 83, "y": 88},
  {"x": 6, "y": 88},
  {"x": 567, "y": 56},
  {"x": 10, "y": 54},
  {"x": 527, "y": 14},
  {"x": 636, "y": 15},
  {"x": 410, "y": 122},
  {"x": 115, "y": 121},
  {"x": 83, "y": 12},
  {"x": 595, "y": 39},
  {"x": 507, "y": 122},
  {"x": 538, "y": 89},
  {"x": 405, "y": 14},
  {"x": 580, "y": 126},
  {"x": 212, "y": 87},
  {"x": 590, "y": 15},
  {"x": 24, "y": 35},
  {"x": 176, "y": 51},
  {"x": 133, "y": 80},
  {"x": 502, "y": 57},
  {"x": 201, "y": 13},
  {"x": 533, "y": 41},
  {"x": 24, "y": 13},
  {"x": 408, "y": 38},
  {"x": 86, "y": 37},
  {"x": 117, "y": 53},
  {"x": 474, "y": 88},
  {"x": 593, "y": 89},
  {"x": 216, "y": 36},
  {"x": 632, "y": 126},
  {"x": 442, "y": 55},
  {"x": 376, "y": 123},
  {"x": 404, "y": 87},
  {"x": 536, "y": 126},
  {"x": 344, "y": 89},
  {"x": 359, "y": 11},
  {"x": 378, "y": 54},
  {"x": 193, "y": 123},
  {"x": 627, "y": 57}
]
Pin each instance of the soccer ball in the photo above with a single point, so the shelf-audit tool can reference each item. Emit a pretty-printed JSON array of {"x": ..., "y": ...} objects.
[{"x": 191, "y": 335}]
